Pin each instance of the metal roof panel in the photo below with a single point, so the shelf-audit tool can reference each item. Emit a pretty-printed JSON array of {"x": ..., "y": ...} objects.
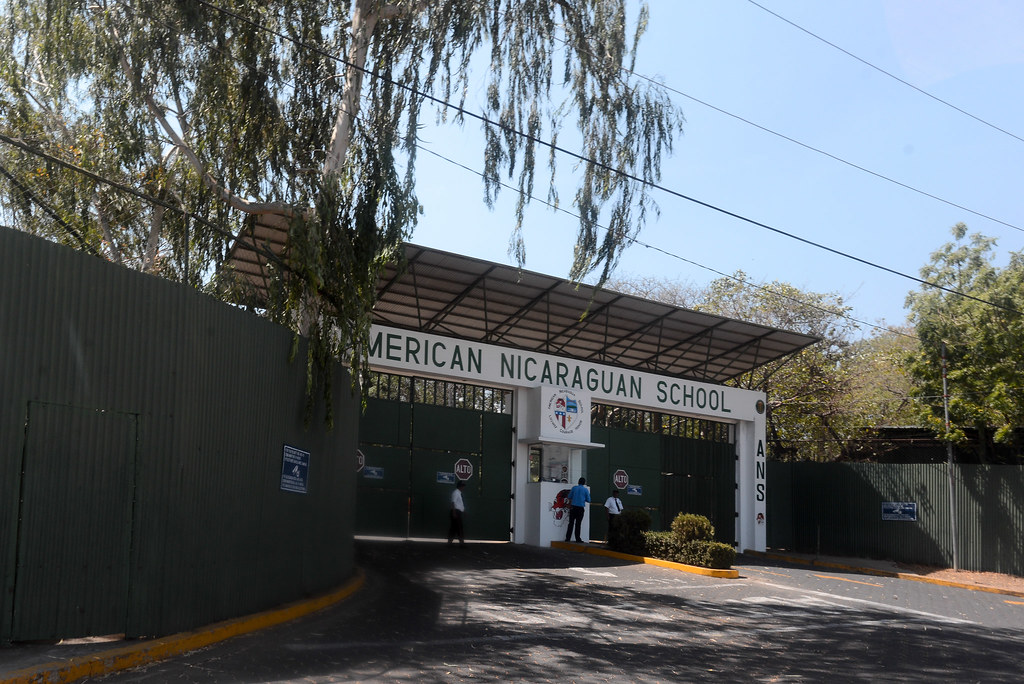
[{"x": 476, "y": 300}]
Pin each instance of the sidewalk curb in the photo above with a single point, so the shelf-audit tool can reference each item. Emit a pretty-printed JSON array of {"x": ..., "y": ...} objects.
[
  {"x": 881, "y": 573},
  {"x": 152, "y": 650},
  {"x": 693, "y": 569}
]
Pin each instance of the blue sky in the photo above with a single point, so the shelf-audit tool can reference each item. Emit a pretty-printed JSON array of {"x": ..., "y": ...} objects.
[{"x": 736, "y": 57}]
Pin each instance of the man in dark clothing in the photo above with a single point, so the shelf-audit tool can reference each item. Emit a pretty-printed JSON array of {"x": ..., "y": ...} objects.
[
  {"x": 457, "y": 508},
  {"x": 579, "y": 497}
]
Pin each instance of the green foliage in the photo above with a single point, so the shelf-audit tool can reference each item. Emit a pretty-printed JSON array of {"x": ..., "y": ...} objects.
[
  {"x": 880, "y": 383},
  {"x": 806, "y": 414},
  {"x": 627, "y": 534},
  {"x": 663, "y": 545},
  {"x": 703, "y": 553},
  {"x": 692, "y": 527},
  {"x": 804, "y": 417},
  {"x": 690, "y": 541},
  {"x": 983, "y": 334},
  {"x": 307, "y": 112},
  {"x": 710, "y": 554}
]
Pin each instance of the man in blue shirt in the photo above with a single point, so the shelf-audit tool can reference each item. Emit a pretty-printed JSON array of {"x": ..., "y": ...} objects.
[{"x": 579, "y": 497}]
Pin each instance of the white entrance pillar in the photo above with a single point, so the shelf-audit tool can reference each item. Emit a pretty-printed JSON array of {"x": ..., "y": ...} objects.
[{"x": 751, "y": 522}]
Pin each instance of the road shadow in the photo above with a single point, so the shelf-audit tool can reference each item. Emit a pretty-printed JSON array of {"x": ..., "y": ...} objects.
[{"x": 504, "y": 612}]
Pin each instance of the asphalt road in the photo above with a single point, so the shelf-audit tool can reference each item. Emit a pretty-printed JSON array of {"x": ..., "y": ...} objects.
[{"x": 502, "y": 612}]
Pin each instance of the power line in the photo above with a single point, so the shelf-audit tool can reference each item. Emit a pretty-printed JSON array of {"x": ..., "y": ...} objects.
[
  {"x": 126, "y": 189},
  {"x": 673, "y": 255},
  {"x": 632, "y": 240},
  {"x": 545, "y": 143},
  {"x": 824, "y": 153},
  {"x": 653, "y": 247},
  {"x": 811, "y": 148},
  {"x": 883, "y": 71},
  {"x": 461, "y": 111},
  {"x": 50, "y": 211}
]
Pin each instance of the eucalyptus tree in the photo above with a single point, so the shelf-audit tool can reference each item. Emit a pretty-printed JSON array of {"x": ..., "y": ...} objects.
[
  {"x": 977, "y": 316},
  {"x": 305, "y": 113}
]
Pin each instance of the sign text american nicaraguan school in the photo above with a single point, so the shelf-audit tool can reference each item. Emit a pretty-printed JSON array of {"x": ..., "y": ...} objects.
[{"x": 422, "y": 353}]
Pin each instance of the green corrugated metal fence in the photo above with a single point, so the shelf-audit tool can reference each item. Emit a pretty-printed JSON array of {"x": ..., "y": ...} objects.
[
  {"x": 74, "y": 540},
  {"x": 408, "y": 445},
  {"x": 836, "y": 509},
  {"x": 142, "y": 427},
  {"x": 700, "y": 477}
]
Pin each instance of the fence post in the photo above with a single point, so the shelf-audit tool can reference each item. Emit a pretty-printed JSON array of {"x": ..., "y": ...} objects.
[{"x": 949, "y": 464}]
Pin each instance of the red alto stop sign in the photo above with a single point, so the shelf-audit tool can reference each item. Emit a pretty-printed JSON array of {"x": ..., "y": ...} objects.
[
  {"x": 620, "y": 479},
  {"x": 463, "y": 469}
]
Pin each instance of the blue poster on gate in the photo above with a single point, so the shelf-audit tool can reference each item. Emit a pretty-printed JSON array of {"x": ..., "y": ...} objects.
[{"x": 294, "y": 470}]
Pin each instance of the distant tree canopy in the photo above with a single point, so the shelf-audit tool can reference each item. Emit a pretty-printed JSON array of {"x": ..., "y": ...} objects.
[
  {"x": 983, "y": 334},
  {"x": 857, "y": 398},
  {"x": 807, "y": 416},
  {"x": 881, "y": 389},
  {"x": 307, "y": 111}
]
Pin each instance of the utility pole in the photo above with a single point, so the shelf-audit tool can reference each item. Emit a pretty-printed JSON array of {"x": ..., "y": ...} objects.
[{"x": 949, "y": 464}]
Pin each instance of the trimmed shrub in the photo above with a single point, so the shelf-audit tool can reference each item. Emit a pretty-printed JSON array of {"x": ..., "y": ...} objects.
[
  {"x": 692, "y": 527},
  {"x": 700, "y": 552},
  {"x": 720, "y": 555},
  {"x": 708, "y": 554},
  {"x": 627, "y": 534},
  {"x": 661, "y": 545},
  {"x": 690, "y": 541}
]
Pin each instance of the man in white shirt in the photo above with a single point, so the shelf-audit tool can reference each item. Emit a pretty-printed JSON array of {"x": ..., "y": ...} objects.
[
  {"x": 614, "y": 506},
  {"x": 457, "y": 509}
]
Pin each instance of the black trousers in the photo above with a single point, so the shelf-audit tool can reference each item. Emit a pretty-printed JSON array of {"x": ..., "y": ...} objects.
[
  {"x": 575, "y": 521},
  {"x": 455, "y": 528}
]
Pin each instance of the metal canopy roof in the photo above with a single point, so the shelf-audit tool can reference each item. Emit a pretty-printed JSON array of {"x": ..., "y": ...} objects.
[
  {"x": 480, "y": 301},
  {"x": 458, "y": 296}
]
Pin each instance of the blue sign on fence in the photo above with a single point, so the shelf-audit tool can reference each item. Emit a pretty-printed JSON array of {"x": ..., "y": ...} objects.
[
  {"x": 373, "y": 473},
  {"x": 445, "y": 478},
  {"x": 899, "y": 510},
  {"x": 294, "y": 470},
  {"x": 636, "y": 490}
]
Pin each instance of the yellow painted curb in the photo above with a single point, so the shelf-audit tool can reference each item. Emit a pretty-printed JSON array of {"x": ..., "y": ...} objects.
[
  {"x": 693, "y": 569},
  {"x": 882, "y": 573},
  {"x": 152, "y": 650}
]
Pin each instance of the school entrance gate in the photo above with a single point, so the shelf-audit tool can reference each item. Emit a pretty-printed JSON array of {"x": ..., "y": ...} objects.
[
  {"x": 410, "y": 451},
  {"x": 557, "y": 347}
]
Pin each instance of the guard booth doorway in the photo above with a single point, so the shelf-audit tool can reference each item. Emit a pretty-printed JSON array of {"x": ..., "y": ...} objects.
[{"x": 412, "y": 434}]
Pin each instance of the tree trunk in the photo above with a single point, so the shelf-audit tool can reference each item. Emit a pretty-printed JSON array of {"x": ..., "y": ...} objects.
[{"x": 364, "y": 21}]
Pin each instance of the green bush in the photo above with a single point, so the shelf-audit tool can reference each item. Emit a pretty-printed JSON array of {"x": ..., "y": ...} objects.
[
  {"x": 661, "y": 545},
  {"x": 692, "y": 527},
  {"x": 627, "y": 534},
  {"x": 690, "y": 541},
  {"x": 708, "y": 554},
  {"x": 699, "y": 552}
]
